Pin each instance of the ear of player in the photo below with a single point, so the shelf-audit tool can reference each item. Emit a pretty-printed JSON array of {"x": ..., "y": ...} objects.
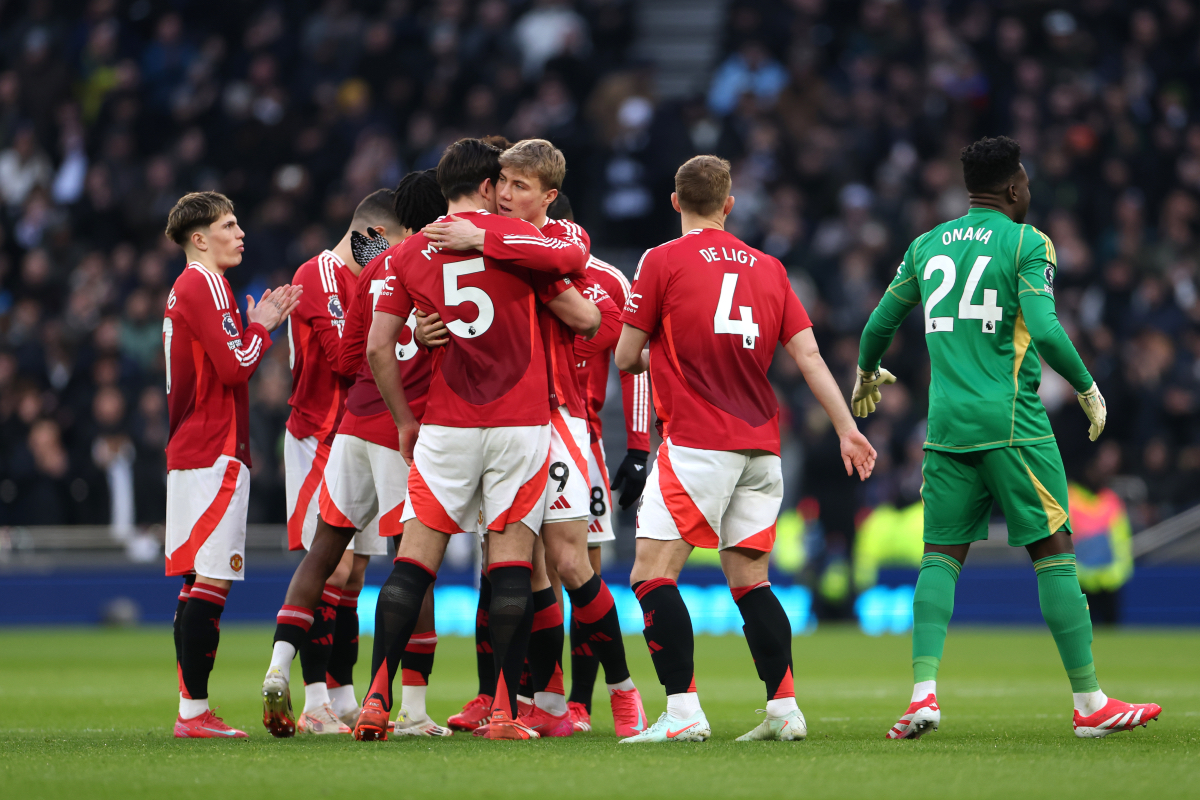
[{"x": 866, "y": 389}]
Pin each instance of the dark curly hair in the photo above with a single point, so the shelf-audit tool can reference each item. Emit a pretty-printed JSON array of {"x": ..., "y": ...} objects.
[
  {"x": 989, "y": 163},
  {"x": 418, "y": 199}
]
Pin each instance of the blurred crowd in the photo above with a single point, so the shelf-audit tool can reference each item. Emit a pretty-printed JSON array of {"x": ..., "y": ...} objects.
[{"x": 843, "y": 121}]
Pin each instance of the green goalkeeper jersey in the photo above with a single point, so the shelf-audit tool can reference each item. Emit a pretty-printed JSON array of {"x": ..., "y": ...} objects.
[{"x": 986, "y": 285}]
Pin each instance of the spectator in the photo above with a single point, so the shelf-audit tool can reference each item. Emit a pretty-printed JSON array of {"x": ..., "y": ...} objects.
[{"x": 23, "y": 168}]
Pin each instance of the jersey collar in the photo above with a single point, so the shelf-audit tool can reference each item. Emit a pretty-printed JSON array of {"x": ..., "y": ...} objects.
[{"x": 335, "y": 258}]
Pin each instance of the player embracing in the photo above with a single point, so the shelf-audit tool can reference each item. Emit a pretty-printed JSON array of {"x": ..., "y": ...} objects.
[
  {"x": 531, "y": 175},
  {"x": 713, "y": 310},
  {"x": 359, "y": 492},
  {"x": 209, "y": 361},
  {"x": 987, "y": 284},
  {"x": 485, "y": 435}
]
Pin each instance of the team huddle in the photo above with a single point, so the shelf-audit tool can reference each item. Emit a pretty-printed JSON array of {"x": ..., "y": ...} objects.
[{"x": 450, "y": 357}]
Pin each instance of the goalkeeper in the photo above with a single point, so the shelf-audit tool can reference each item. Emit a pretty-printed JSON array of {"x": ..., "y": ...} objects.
[{"x": 986, "y": 284}]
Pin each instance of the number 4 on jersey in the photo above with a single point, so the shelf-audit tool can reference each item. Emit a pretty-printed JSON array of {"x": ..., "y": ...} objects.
[
  {"x": 745, "y": 327},
  {"x": 989, "y": 313}
]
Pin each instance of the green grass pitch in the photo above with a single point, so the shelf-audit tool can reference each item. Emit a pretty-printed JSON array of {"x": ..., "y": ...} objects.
[{"x": 87, "y": 713}]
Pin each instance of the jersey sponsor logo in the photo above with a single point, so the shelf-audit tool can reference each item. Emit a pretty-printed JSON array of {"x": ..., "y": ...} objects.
[
  {"x": 631, "y": 304},
  {"x": 595, "y": 293},
  {"x": 560, "y": 504},
  {"x": 235, "y": 562},
  {"x": 228, "y": 326},
  {"x": 1049, "y": 275},
  {"x": 171, "y": 299}
]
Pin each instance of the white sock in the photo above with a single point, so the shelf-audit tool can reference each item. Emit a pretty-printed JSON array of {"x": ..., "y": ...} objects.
[
  {"x": 781, "y": 707},
  {"x": 1088, "y": 703},
  {"x": 624, "y": 686},
  {"x": 315, "y": 696},
  {"x": 523, "y": 699},
  {"x": 189, "y": 708},
  {"x": 412, "y": 698},
  {"x": 923, "y": 689},
  {"x": 342, "y": 699},
  {"x": 281, "y": 659},
  {"x": 551, "y": 703},
  {"x": 684, "y": 705}
]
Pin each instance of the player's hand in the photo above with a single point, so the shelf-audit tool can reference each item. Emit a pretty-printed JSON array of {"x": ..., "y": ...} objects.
[
  {"x": 455, "y": 234},
  {"x": 431, "y": 331},
  {"x": 408, "y": 439},
  {"x": 274, "y": 306},
  {"x": 632, "y": 476},
  {"x": 857, "y": 454},
  {"x": 1097, "y": 413},
  {"x": 866, "y": 390}
]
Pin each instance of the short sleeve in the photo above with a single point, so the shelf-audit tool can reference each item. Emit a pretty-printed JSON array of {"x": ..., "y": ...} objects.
[
  {"x": 1037, "y": 264},
  {"x": 393, "y": 297},
  {"x": 643, "y": 308},
  {"x": 795, "y": 318}
]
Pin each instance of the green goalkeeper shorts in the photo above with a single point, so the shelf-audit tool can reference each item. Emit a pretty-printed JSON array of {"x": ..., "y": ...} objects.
[{"x": 1029, "y": 483}]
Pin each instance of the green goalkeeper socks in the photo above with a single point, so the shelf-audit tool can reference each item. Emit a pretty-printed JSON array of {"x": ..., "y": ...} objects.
[
  {"x": 933, "y": 603},
  {"x": 1066, "y": 612}
]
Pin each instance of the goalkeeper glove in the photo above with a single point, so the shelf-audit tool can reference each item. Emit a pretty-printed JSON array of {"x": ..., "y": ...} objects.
[
  {"x": 1093, "y": 405},
  {"x": 866, "y": 389},
  {"x": 631, "y": 475}
]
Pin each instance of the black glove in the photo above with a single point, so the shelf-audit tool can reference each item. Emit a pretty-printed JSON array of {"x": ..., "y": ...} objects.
[{"x": 632, "y": 475}]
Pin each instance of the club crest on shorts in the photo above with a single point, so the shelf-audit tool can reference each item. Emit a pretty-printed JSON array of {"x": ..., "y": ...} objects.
[
  {"x": 228, "y": 326},
  {"x": 335, "y": 307},
  {"x": 235, "y": 562}
]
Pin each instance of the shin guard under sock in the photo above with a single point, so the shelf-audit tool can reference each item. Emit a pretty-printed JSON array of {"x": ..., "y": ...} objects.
[
  {"x": 510, "y": 617},
  {"x": 396, "y": 614},
  {"x": 200, "y": 634},
  {"x": 593, "y": 608},
  {"x": 344, "y": 653},
  {"x": 668, "y": 634},
  {"x": 933, "y": 604},
  {"x": 177, "y": 622},
  {"x": 317, "y": 646},
  {"x": 546, "y": 644},
  {"x": 1065, "y": 610},
  {"x": 485, "y": 665},
  {"x": 769, "y": 636}
]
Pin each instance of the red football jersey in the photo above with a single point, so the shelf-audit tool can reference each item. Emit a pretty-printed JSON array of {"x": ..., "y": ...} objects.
[
  {"x": 367, "y": 416},
  {"x": 492, "y": 374},
  {"x": 209, "y": 363},
  {"x": 714, "y": 309},
  {"x": 557, "y": 338},
  {"x": 315, "y": 337},
  {"x": 594, "y": 358}
]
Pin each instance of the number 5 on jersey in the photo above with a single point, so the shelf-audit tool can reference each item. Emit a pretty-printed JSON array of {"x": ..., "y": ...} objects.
[
  {"x": 988, "y": 312},
  {"x": 745, "y": 327}
]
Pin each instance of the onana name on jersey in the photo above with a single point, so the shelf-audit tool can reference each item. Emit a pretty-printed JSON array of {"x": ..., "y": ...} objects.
[{"x": 969, "y": 234}]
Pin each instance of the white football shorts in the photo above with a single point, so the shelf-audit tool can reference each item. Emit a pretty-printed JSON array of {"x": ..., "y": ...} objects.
[
  {"x": 567, "y": 485},
  {"x": 600, "y": 528},
  {"x": 457, "y": 472},
  {"x": 304, "y": 470},
  {"x": 364, "y": 489},
  {"x": 712, "y": 498},
  {"x": 206, "y": 520}
]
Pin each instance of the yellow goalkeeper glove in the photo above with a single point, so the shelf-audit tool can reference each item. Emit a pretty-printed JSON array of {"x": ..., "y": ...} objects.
[
  {"x": 866, "y": 389},
  {"x": 1093, "y": 405}
]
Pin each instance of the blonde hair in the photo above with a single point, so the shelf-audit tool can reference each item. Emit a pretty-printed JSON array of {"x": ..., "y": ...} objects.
[
  {"x": 195, "y": 210},
  {"x": 702, "y": 184},
  {"x": 537, "y": 157}
]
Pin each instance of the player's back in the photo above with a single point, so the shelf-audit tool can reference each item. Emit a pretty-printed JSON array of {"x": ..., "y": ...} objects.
[
  {"x": 970, "y": 273},
  {"x": 493, "y": 371},
  {"x": 364, "y": 399},
  {"x": 715, "y": 308}
]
